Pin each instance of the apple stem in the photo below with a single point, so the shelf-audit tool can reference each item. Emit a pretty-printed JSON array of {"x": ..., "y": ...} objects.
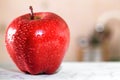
[{"x": 32, "y": 15}]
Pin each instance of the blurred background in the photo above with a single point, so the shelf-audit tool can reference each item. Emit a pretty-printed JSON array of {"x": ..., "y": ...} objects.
[{"x": 94, "y": 26}]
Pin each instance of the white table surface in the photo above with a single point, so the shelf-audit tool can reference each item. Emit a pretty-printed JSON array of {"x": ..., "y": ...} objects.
[{"x": 68, "y": 71}]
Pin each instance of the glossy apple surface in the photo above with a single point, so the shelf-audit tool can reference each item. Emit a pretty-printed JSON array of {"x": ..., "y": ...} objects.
[{"x": 37, "y": 45}]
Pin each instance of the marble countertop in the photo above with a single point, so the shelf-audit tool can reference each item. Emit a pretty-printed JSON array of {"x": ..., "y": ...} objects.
[{"x": 68, "y": 71}]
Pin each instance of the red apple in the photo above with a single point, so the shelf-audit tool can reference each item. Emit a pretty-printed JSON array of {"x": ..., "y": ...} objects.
[{"x": 37, "y": 42}]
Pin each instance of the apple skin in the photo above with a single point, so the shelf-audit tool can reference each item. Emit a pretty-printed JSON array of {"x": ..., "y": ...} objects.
[{"x": 37, "y": 46}]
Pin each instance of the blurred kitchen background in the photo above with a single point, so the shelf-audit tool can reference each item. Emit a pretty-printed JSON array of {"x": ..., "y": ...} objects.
[{"x": 94, "y": 26}]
